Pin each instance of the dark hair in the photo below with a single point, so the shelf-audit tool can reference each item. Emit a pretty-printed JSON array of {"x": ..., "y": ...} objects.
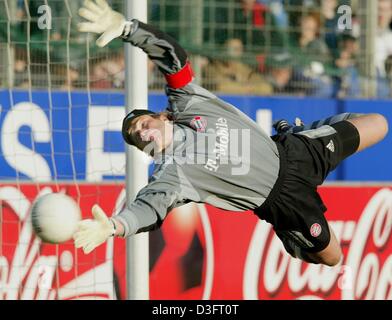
[{"x": 127, "y": 124}]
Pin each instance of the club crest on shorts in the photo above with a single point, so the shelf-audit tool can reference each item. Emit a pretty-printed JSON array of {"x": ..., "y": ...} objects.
[
  {"x": 199, "y": 124},
  {"x": 315, "y": 230}
]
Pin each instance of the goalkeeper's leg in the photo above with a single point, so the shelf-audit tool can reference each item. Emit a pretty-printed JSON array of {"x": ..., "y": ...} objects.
[
  {"x": 372, "y": 128},
  {"x": 343, "y": 136},
  {"x": 330, "y": 256},
  {"x": 324, "y": 122},
  {"x": 283, "y": 126}
]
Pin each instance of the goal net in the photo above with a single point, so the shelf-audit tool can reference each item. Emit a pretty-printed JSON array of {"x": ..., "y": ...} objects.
[{"x": 62, "y": 106}]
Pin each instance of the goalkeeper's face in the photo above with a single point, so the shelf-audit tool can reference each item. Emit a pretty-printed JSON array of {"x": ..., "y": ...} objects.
[{"x": 152, "y": 134}]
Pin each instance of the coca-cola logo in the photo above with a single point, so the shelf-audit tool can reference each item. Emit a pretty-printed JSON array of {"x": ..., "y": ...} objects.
[
  {"x": 197, "y": 255},
  {"x": 31, "y": 270},
  {"x": 364, "y": 273}
]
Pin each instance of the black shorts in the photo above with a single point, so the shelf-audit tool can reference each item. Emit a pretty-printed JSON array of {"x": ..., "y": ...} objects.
[{"x": 294, "y": 207}]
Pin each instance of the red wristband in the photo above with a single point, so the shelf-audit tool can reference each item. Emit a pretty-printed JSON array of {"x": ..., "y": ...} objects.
[{"x": 181, "y": 78}]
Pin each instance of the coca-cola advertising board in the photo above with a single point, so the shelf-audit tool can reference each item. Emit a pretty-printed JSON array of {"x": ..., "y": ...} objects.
[{"x": 200, "y": 252}]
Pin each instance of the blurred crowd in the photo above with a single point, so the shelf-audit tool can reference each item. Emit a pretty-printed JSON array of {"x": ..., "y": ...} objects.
[
  {"x": 299, "y": 47},
  {"x": 254, "y": 47}
]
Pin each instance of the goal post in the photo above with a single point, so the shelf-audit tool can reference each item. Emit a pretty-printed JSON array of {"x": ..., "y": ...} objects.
[
  {"x": 136, "y": 92},
  {"x": 62, "y": 103}
]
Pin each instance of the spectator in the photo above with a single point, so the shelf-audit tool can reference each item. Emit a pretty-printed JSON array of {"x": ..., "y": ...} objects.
[
  {"x": 116, "y": 70},
  {"x": 384, "y": 90},
  {"x": 99, "y": 77},
  {"x": 20, "y": 9},
  {"x": 383, "y": 46},
  {"x": 313, "y": 58},
  {"x": 330, "y": 24},
  {"x": 388, "y": 68},
  {"x": 279, "y": 68},
  {"x": 247, "y": 20},
  {"x": 235, "y": 77},
  {"x": 279, "y": 23},
  {"x": 109, "y": 73},
  {"x": 69, "y": 75},
  {"x": 313, "y": 81},
  {"x": 297, "y": 9},
  {"x": 21, "y": 79},
  {"x": 289, "y": 79},
  {"x": 278, "y": 12},
  {"x": 348, "y": 84},
  {"x": 309, "y": 42}
]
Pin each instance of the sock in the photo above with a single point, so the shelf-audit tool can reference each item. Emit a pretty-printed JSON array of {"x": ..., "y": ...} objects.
[{"x": 326, "y": 121}]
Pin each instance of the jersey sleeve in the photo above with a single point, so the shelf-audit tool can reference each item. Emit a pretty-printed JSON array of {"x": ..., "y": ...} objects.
[
  {"x": 151, "y": 205},
  {"x": 173, "y": 62},
  {"x": 164, "y": 51}
]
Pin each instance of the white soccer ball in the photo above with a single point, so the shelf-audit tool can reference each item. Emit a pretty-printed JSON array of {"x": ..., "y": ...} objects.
[{"x": 55, "y": 217}]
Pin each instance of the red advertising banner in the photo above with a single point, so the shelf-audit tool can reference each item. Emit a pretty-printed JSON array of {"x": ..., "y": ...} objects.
[{"x": 200, "y": 252}]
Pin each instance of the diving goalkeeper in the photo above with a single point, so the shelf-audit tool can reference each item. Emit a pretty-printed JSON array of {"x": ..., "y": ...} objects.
[{"x": 197, "y": 158}]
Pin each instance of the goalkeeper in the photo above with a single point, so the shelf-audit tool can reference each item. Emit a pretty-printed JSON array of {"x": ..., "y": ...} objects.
[{"x": 277, "y": 179}]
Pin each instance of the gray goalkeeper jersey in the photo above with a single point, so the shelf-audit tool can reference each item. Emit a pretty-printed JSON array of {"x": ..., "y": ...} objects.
[{"x": 218, "y": 156}]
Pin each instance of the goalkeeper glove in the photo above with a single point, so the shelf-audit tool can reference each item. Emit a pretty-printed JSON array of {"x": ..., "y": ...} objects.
[
  {"x": 102, "y": 20},
  {"x": 92, "y": 233}
]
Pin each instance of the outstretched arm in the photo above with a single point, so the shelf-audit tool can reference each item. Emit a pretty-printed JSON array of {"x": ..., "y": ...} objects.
[
  {"x": 147, "y": 212},
  {"x": 162, "y": 49}
]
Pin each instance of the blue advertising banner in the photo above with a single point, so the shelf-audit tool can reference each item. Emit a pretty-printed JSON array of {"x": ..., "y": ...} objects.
[{"x": 48, "y": 136}]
